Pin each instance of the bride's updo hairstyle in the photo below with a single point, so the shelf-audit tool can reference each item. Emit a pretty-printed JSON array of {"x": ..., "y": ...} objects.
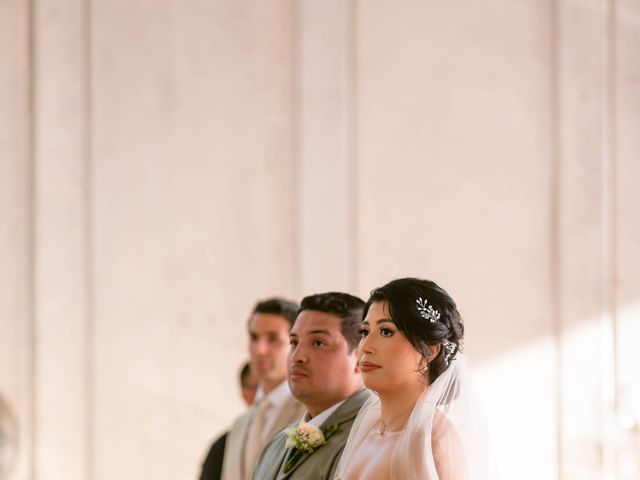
[{"x": 426, "y": 315}]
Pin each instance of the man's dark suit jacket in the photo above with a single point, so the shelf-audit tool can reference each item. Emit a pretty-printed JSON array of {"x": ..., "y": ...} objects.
[{"x": 212, "y": 465}]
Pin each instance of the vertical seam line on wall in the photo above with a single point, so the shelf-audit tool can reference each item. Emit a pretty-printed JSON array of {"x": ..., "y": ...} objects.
[
  {"x": 612, "y": 68},
  {"x": 555, "y": 114},
  {"x": 31, "y": 234},
  {"x": 352, "y": 145},
  {"x": 613, "y": 98},
  {"x": 88, "y": 244},
  {"x": 295, "y": 147},
  {"x": 608, "y": 239}
]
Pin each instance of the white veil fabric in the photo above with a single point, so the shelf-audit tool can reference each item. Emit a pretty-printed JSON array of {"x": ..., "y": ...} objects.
[{"x": 445, "y": 437}]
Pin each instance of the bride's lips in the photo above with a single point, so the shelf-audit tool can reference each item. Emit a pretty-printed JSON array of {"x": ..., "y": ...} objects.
[{"x": 368, "y": 366}]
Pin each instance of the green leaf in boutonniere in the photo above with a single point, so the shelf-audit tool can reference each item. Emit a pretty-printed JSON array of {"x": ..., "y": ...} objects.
[{"x": 305, "y": 439}]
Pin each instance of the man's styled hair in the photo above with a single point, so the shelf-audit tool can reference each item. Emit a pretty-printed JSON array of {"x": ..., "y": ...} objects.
[
  {"x": 343, "y": 305},
  {"x": 278, "y": 306}
]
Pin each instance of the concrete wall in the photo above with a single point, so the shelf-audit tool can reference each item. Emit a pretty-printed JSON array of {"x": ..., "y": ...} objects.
[{"x": 165, "y": 164}]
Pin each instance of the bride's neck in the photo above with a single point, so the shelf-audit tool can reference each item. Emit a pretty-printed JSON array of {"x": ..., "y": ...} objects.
[{"x": 396, "y": 405}]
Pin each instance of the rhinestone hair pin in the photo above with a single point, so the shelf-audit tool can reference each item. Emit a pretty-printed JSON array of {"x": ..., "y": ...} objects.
[
  {"x": 427, "y": 311},
  {"x": 450, "y": 349}
]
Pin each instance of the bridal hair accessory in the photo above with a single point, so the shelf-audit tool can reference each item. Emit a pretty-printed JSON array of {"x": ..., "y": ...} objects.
[
  {"x": 427, "y": 311},
  {"x": 305, "y": 439},
  {"x": 450, "y": 349}
]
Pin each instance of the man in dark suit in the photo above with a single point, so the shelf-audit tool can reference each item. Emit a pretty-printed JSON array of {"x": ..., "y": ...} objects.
[{"x": 323, "y": 374}]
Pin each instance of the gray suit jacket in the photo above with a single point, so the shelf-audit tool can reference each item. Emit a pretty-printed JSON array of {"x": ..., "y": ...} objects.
[
  {"x": 233, "y": 464},
  {"x": 320, "y": 464}
]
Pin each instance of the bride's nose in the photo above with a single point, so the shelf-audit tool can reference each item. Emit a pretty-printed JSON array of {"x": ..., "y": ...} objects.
[{"x": 366, "y": 345}]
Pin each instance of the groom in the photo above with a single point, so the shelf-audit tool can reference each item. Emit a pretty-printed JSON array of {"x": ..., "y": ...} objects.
[{"x": 323, "y": 374}]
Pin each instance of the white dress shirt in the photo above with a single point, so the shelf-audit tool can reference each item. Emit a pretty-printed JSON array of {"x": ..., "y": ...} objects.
[
  {"x": 276, "y": 398},
  {"x": 319, "y": 419}
]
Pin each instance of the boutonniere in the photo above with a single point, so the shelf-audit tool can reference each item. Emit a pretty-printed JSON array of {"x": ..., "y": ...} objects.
[{"x": 305, "y": 439}]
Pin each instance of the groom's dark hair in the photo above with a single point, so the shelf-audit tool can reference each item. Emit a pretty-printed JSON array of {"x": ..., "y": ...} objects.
[
  {"x": 278, "y": 306},
  {"x": 343, "y": 305}
]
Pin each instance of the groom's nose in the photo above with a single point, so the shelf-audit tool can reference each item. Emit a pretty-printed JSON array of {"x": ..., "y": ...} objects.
[{"x": 298, "y": 354}]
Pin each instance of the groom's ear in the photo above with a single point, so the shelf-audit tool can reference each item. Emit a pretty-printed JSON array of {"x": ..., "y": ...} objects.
[
  {"x": 354, "y": 354},
  {"x": 356, "y": 368}
]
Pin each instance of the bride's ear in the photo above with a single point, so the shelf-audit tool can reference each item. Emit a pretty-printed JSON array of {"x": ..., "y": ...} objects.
[{"x": 434, "y": 350}]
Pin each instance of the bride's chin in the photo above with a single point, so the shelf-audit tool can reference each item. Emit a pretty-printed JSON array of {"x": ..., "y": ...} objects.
[{"x": 374, "y": 384}]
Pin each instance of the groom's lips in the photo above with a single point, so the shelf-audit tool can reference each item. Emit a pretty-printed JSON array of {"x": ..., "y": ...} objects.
[
  {"x": 368, "y": 366},
  {"x": 295, "y": 373}
]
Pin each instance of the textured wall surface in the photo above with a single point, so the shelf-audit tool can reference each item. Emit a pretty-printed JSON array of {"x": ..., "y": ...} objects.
[{"x": 165, "y": 164}]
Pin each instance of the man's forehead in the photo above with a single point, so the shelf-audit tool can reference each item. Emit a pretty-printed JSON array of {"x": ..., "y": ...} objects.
[
  {"x": 313, "y": 322},
  {"x": 268, "y": 322}
]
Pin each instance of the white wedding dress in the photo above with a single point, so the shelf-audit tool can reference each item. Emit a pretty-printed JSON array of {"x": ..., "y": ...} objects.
[{"x": 445, "y": 437}]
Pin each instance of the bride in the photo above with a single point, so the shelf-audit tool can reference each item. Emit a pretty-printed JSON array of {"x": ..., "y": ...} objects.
[{"x": 425, "y": 422}]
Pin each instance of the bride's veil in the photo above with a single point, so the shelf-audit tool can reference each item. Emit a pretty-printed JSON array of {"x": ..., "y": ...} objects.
[{"x": 446, "y": 432}]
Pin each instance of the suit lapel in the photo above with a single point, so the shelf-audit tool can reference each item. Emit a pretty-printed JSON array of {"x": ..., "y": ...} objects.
[
  {"x": 290, "y": 412},
  {"x": 346, "y": 412},
  {"x": 234, "y": 451}
]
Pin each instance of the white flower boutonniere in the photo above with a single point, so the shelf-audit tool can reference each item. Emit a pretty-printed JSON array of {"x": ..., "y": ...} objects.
[{"x": 305, "y": 439}]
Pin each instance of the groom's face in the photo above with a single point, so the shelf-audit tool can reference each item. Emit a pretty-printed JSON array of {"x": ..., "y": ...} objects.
[{"x": 321, "y": 370}]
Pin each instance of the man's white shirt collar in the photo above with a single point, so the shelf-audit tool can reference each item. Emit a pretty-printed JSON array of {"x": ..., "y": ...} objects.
[
  {"x": 319, "y": 419},
  {"x": 276, "y": 397}
]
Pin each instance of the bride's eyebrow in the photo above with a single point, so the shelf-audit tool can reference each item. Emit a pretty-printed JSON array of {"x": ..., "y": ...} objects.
[{"x": 385, "y": 320}]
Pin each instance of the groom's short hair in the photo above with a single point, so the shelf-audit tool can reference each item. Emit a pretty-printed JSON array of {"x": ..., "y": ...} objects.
[
  {"x": 343, "y": 305},
  {"x": 278, "y": 306}
]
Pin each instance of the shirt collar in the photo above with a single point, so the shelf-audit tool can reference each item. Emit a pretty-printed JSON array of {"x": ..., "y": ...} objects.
[
  {"x": 278, "y": 395},
  {"x": 319, "y": 419}
]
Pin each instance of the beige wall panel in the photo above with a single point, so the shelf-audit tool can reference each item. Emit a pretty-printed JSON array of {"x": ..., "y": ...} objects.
[
  {"x": 15, "y": 240},
  {"x": 454, "y": 175},
  {"x": 193, "y": 218},
  {"x": 628, "y": 233},
  {"x": 62, "y": 444},
  {"x": 325, "y": 160},
  {"x": 584, "y": 229}
]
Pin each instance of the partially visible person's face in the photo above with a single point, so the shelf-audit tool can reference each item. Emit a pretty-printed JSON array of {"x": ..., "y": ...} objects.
[
  {"x": 322, "y": 371},
  {"x": 387, "y": 360},
  {"x": 268, "y": 347},
  {"x": 248, "y": 388}
]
